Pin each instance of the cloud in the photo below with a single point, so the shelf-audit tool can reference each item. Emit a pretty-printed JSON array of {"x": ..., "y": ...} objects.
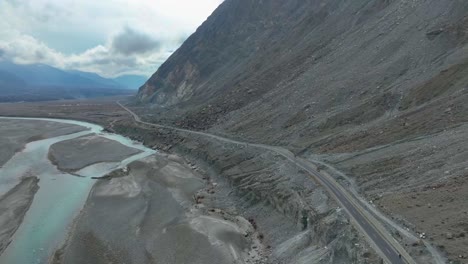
[
  {"x": 131, "y": 42},
  {"x": 26, "y": 49},
  {"x": 110, "y": 37},
  {"x": 102, "y": 59}
]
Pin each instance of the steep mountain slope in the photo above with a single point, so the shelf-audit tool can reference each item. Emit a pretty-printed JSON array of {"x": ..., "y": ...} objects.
[
  {"x": 376, "y": 88},
  {"x": 349, "y": 53}
]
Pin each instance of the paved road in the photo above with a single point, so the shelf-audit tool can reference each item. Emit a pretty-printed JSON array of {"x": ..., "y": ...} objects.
[{"x": 390, "y": 250}]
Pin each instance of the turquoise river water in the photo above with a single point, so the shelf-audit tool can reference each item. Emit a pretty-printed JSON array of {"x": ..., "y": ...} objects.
[{"x": 60, "y": 197}]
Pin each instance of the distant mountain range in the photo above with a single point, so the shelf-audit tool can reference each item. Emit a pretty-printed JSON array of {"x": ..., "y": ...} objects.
[{"x": 38, "y": 82}]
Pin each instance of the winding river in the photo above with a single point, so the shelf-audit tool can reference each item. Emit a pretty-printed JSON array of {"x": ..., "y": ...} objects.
[{"x": 60, "y": 197}]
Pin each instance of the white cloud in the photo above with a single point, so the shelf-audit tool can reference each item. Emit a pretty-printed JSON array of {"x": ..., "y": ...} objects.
[
  {"x": 25, "y": 49},
  {"x": 109, "y": 37}
]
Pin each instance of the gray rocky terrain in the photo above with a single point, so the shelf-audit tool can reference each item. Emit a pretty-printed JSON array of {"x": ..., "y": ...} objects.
[{"x": 374, "y": 88}]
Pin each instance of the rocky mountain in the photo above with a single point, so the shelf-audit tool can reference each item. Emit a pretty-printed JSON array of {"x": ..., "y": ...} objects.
[
  {"x": 38, "y": 82},
  {"x": 376, "y": 88},
  {"x": 375, "y": 50}
]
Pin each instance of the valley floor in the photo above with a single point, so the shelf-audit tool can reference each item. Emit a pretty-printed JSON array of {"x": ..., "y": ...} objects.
[{"x": 146, "y": 214}]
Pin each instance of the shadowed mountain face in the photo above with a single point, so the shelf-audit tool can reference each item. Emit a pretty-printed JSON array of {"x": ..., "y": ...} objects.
[
  {"x": 314, "y": 66},
  {"x": 37, "y": 82},
  {"x": 11, "y": 82}
]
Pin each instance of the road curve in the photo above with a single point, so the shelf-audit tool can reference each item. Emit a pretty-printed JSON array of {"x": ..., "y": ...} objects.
[{"x": 390, "y": 250}]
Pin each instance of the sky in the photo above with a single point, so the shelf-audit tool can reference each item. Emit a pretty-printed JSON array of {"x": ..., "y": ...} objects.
[{"x": 108, "y": 37}]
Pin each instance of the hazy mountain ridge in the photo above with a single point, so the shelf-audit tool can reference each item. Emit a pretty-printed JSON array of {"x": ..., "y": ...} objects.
[
  {"x": 11, "y": 82},
  {"x": 38, "y": 82}
]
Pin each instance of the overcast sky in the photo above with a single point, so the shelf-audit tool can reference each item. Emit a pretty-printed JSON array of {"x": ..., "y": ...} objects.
[{"x": 109, "y": 37}]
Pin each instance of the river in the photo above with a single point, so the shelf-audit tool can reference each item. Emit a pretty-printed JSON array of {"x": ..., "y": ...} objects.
[{"x": 60, "y": 197}]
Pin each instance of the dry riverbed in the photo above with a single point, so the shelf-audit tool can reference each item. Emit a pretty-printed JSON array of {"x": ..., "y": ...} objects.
[{"x": 151, "y": 212}]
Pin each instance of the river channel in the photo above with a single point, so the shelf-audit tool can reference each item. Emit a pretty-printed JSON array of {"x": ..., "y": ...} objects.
[{"x": 61, "y": 195}]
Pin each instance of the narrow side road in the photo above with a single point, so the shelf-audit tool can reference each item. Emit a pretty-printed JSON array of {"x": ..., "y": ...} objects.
[{"x": 388, "y": 248}]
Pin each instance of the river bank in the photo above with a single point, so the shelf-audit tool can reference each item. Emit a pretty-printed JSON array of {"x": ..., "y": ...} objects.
[
  {"x": 295, "y": 219},
  {"x": 13, "y": 206},
  {"x": 149, "y": 213},
  {"x": 40, "y": 200},
  {"x": 148, "y": 207}
]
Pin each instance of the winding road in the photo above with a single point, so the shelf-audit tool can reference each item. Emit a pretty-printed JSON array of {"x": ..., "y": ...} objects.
[{"x": 381, "y": 240}]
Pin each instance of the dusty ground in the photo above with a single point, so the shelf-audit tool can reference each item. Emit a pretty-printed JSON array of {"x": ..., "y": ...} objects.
[
  {"x": 75, "y": 154},
  {"x": 438, "y": 210},
  {"x": 421, "y": 182},
  {"x": 13, "y": 206},
  {"x": 15, "y": 134}
]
